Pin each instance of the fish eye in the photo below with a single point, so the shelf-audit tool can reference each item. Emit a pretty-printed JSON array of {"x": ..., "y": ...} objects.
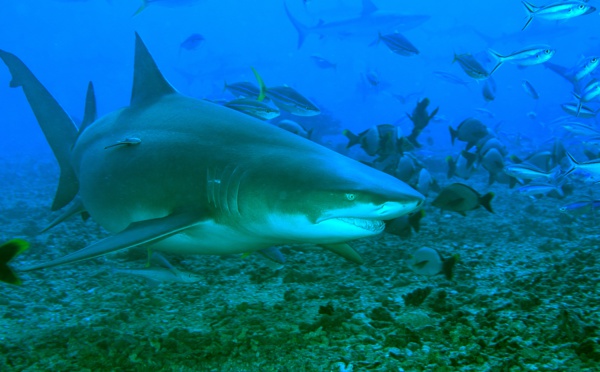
[
  {"x": 594, "y": 60},
  {"x": 350, "y": 196},
  {"x": 581, "y": 6},
  {"x": 547, "y": 51}
]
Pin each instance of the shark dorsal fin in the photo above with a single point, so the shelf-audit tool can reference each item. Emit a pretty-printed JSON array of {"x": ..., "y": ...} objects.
[
  {"x": 89, "y": 112},
  {"x": 148, "y": 82}
]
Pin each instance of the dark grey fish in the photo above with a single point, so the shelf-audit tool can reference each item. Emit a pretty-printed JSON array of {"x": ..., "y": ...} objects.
[
  {"x": 470, "y": 131},
  {"x": 420, "y": 118},
  {"x": 404, "y": 226},
  {"x": 461, "y": 198}
]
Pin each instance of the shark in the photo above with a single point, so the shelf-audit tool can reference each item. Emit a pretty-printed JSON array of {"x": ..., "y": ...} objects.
[
  {"x": 368, "y": 23},
  {"x": 185, "y": 176}
]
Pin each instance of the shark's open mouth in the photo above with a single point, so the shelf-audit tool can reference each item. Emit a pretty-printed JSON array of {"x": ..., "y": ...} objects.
[{"x": 371, "y": 225}]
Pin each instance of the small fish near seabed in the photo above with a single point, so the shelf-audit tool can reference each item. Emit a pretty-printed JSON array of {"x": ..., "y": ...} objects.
[
  {"x": 461, "y": 198},
  {"x": 161, "y": 272},
  {"x": 429, "y": 262},
  {"x": 405, "y": 225}
]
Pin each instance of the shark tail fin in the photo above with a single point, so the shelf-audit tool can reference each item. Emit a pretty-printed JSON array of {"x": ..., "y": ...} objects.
[
  {"x": 261, "y": 86},
  {"x": 149, "y": 84},
  {"x": 302, "y": 29},
  {"x": 58, "y": 128},
  {"x": 8, "y": 251}
]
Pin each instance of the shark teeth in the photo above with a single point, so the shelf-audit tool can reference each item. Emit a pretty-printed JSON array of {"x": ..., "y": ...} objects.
[{"x": 371, "y": 225}]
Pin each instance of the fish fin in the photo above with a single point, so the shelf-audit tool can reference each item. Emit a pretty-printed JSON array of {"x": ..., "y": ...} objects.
[
  {"x": 420, "y": 264},
  {"x": 451, "y": 166},
  {"x": 90, "y": 112},
  {"x": 136, "y": 234},
  {"x": 302, "y": 29},
  {"x": 527, "y": 23},
  {"x": 141, "y": 8},
  {"x": 149, "y": 84},
  {"x": 261, "y": 85},
  {"x": 453, "y": 134},
  {"x": 491, "y": 179},
  {"x": 448, "y": 266},
  {"x": 8, "y": 251},
  {"x": 495, "y": 68},
  {"x": 368, "y": 8},
  {"x": 531, "y": 9},
  {"x": 471, "y": 158},
  {"x": 160, "y": 260},
  {"x": 486, "y": 201},
  {"x": 573, "y": 164},
  {"x": 58, "y": 128},
  {"x": 344, "y": 250},
  {"x": 75, "y": 208},
  {"x": 433, "y": 113},
  {"x": 353, "y": 139},
  {"x": 414, "y": 220}
]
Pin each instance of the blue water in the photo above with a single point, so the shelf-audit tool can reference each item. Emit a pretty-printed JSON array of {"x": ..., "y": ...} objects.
[{"x": 523, "y": 297}]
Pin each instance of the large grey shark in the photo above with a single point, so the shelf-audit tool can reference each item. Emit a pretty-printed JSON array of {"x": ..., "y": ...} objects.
[{"x": 186, "y": 176}]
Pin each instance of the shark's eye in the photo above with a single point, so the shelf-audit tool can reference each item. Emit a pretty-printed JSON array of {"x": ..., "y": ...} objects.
[
  {"x": 350, "y": 196},
  {"x": 547, "y": 51}
]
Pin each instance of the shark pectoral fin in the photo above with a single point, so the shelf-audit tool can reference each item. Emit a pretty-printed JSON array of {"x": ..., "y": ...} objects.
[
  {"x": 58, "y": 128},
  {"x": 344, "y": 250},
  {"x": 273, "y": 254},
  {"x": 136, "y": 234},
  {"x": 75, "y": 208}
]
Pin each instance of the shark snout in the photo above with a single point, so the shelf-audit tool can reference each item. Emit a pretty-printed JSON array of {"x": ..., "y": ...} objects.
[{"x": 404, "y": 204}]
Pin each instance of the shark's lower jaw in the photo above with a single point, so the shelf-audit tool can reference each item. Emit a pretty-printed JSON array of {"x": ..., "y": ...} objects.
[{"x": 375, "y": 226}]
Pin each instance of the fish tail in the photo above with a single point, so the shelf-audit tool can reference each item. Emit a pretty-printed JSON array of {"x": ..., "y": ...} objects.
[
  {"x": 451, "y": 167},
  {"x": 453, "y": 134},
  {"x": 302, "y": 29},
  {"x": 8, "y": 251},
  {"x": 414, "y": 220},
  {"x": 579, "y": 103},
  {"x": 141, "y": 8},
  {"x": 531, "y": 9},
  {"x": 448, "y": 266},
  {"x": 224, "y": 85},
  {"x": 353, "y": 139},
  {"x": 573, "y": 164},
  {"x": 261, "y": 85},
  {"x": 486, "y": 201},
  {"x": 499, "y": 57}
]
